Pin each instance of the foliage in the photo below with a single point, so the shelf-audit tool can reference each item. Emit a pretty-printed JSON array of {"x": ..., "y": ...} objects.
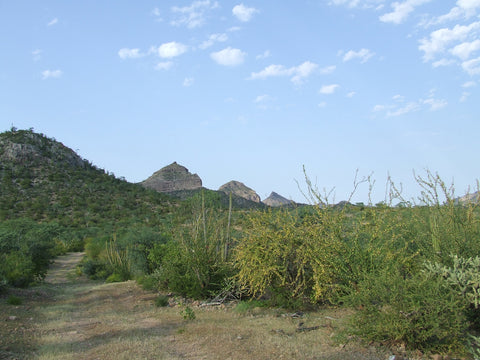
[
  {"x": 161, "y": 301},
  {"x": 26, "y": 249},
  {"x": 419, "y": 313},
  {"x": 188, "y": 314},
  {"x": 14, "y": 300},
  {"x": 194, "y": 262}
]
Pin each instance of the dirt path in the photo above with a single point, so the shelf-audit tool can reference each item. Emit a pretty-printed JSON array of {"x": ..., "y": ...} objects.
[{"x": 70, "y": 317}]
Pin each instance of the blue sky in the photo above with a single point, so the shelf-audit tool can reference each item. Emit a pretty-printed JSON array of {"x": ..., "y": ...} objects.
[{"x": 251, "y": 91}]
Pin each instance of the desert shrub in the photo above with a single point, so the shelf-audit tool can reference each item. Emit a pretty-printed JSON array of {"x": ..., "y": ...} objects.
[
  {"x": 161, "y": 301},
  {"x": 115, "y": 278},
  {"x": 14, "y": 300},
  {"x": 26, "y": 250},
  {"x": 194, "y": 262},
  {"x": 419, "y": 313},
  {"x": 188, "y": 314},
  {"x": 147, "y": 282}
]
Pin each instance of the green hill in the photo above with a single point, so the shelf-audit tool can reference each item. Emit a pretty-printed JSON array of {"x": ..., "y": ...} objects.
[{"x": 44, "y": 180}]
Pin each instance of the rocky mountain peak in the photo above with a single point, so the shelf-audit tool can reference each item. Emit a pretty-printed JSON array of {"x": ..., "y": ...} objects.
[
  {"x": 241, "y": 190},
  {"x": 275, "y": 200},
  {"x": 173, "y": 177}
]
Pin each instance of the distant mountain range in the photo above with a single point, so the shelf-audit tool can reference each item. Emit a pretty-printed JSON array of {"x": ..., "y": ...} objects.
[{"x": 175, "y": 179}]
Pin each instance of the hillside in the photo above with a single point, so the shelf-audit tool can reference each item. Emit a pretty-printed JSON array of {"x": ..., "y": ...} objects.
[{"x": 44, "y": 180}]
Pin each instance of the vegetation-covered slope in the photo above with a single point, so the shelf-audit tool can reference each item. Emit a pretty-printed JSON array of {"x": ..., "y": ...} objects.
[{"x": 42, "y": 179}]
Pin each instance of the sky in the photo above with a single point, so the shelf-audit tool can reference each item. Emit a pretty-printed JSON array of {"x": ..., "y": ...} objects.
[{"x": 260, "y": 92}]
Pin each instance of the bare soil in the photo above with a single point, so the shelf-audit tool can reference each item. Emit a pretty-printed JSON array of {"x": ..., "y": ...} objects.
[{"x": 71, "y": 317}]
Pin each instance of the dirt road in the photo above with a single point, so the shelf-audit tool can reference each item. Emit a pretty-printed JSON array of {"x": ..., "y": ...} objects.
[{"x": 71, "y": 317}]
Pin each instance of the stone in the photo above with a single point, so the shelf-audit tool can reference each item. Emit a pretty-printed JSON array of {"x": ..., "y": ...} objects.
[
  {"x": 241, "y": 190},
  {"x": 173, "y": 177}
]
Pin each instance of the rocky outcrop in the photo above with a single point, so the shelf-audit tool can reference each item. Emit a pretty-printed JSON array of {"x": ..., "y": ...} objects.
[
  {"x": 239, "y": 189},
  {"x": 31, "y": 149},
  {"x": 173, "y": 177},
  {"x": 275, "y": 200},
  {"x": 469, "y": 198}
]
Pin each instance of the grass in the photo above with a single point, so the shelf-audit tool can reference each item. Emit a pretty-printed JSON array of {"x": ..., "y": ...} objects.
[{"x": 71, "y": 318}]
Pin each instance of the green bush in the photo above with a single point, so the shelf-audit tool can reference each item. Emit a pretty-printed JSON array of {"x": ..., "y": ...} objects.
[
  {"x": 195, "y": 262},
  {"x": 418, "y": 312},
  {"x": 148, "y": 282},
  {"x": 161, "y": 301},
  {"x": 115, "y": 278},
  {"x": 14, "y": 300}
]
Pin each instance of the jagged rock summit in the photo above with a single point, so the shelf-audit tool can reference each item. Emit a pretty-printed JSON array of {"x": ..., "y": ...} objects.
[
  {"x": 275, "y": 200},
  {"x": 239, "y": 189},
  {"x": 173, "y": 177}
]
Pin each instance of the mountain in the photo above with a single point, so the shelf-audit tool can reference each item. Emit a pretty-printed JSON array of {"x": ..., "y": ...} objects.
[
  {"x": 275, "y": 200},
  {"x": 469, "y": 198},
  {"x": 239, "y": 189},
  {"x": 42, "y": 179},
  {"x": 173, "y": 177}
]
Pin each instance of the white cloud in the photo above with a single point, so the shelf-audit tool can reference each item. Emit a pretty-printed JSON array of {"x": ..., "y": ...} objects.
[
  {"x": 187, "y": 82},
  {"x": 351, "y": 94},
  {"x": 364, "y": 55},
  {"x": 328, "y": 89},
  {"x": 229, "y": 57},
  {"x": 171, "y": 49},
  {"x": 262, "y": 98},
  {"x": 442, "y": 62},
  {"x": 408, "y": 108},
  {"x": 464, "y": 96},
  {"x": 194, "y": 15},
  {"x": 322, "y": 104},
  {"x": 51, "y": 74},
  {"x": 472, "y": 67},
  {"x": 440, "y": 39},
  {"x": 53, "y": 22},
  {"x": 400, "y": 107},
  {"x": 469, "y": 84},
  {"x": 328, "y": 69},
  {"x": 126, "y": 53},
  {"x": 244, "y": 13},
  {"x": 297, "y": 73},
  {"x": 366, "y": 4},
  {"x": 465, "y": 49},
  {"x": 164, "y": 65},
  {"x": 212, "y": 39},
  {"x": 303, "y": 71},
  {"x": 37, "y": 54},
  {"x": 464, "y": 9},
  {"x": 157, "y": 14},
  {"x": 435, "y": 104},
  {"x": 265, "y": 55},
  {"x": 401, "y": 11},
  {"x": 378, "y": 108},
  {"x": 264, "y": 101}
]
